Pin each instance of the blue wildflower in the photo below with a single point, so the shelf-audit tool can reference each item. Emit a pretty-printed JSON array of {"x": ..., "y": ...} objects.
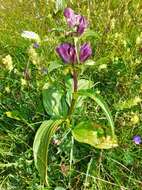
[{"x": 137, "y": 139}]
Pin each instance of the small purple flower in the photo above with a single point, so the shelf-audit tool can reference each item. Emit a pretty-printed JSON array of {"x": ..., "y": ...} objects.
[
  {"x": 85, "y": 52},
  {"x": 82, "y": 24},
  {"x": 75, "y": 20},
  {"x": 35, "y": 45},
  {"x": 137, "y": 139},
  {"x": 67, "y": 52},
  {"x": 70, "y": 17}
]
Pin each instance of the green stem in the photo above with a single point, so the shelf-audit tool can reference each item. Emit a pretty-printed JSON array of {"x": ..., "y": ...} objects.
[
  {"x": 75, "y": 81},
  {"x": 78, "y": 62},
  {"x": 76, "y": 49},
  {"x": 74, "y": 99}
]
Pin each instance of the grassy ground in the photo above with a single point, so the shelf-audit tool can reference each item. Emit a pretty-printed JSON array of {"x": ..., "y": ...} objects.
[{"x": 117, "y": 74}]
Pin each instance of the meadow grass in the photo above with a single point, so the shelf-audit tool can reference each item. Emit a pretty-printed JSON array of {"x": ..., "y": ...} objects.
[{"x": 117, "y": 75}]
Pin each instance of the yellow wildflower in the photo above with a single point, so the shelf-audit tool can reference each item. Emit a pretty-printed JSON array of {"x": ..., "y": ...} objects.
[
  {"x": 7, "y": 61},
  {"x": 33, "y": 56},
  {"x": 7, "y": 89},
  {"x": 135, "y": 119},
  {"x": 23, "y": 82}
]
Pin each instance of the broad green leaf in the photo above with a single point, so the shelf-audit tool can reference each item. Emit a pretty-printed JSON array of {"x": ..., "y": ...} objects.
[
  {"x": 41, "y": 144},
  {"x": 99, "y": 100},
  {"x": 92, "y": 134},
  {"x": 54, "y": 100}
]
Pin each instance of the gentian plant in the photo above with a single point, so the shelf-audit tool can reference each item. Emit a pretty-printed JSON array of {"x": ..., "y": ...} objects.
[{"x": 63, "y": 102}]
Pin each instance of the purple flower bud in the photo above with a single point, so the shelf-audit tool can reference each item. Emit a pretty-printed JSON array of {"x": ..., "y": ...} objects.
[
  {"x": 75, "y": 20},
  {"x": 67, "y": 52},
  {"x": 82, "y": 24},
  {"x": 70, "y": 17},
  {"x": 68, "y": 12},
  {"x": 35, "y": 45},
  {"x": 85, "y": 52},
  {"x": 137, "y": 139}
]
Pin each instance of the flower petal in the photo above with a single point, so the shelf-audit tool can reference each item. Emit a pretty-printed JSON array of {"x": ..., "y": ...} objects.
[
  {"x": 67, "y": 52},
  {"x": 137, "y": 139},
  {"x": 82, "y": 24},
  {"x": 85, "y": 52},
  {"x": 75, "y": 20},
  {"x": 70, "y": 17},
  {"x": 68, "y": 12}
]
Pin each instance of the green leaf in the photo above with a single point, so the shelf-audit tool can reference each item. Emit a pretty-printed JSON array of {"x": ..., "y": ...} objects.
[
  {"x": 59, "y": 188},
  {"x": 99, "y": 100},
  {"x": 91, "y": 133},
  {"x": 54, "y": 100},
  {"x": 89, "y": 62},
  {"x": 103, "y": 60},
  {"x": 82, "y": 84},
  {"x": 54, "y": 65},
  {"x": 91, "y": 33},
  {"x": 41, "y": 144}
]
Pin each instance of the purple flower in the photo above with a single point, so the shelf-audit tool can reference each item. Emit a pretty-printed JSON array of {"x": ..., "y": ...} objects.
[
  {"x": 67, "y": 52},
  {"x": 82, "y": 24},
  {"x": 137, "y": 139},
  {"x": 35, "y": 45},
  {"x": 75, "y": 20},
  {"x": 70, "y": 17},
  {"x": 85, "y": 52}
]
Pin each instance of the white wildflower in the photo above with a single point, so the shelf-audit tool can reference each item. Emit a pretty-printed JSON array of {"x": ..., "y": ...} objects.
[{"x": 30, "y": 35}]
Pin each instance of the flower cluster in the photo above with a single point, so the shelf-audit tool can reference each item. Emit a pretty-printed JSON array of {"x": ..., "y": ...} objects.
[
  {"x": 8, "y": 63},
  {"x": 75, "y": 21},
  {"x": 67, "y": 51}
]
